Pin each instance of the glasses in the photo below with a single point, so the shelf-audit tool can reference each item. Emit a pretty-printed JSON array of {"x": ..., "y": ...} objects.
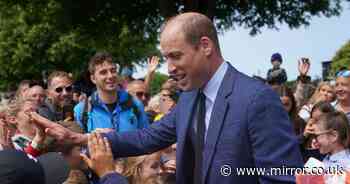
[
  {"x": 343, "y": 73},
  {"x": 68, "y": 89},
  {"x": 141, "y": 94},
  {"x": 316, "y": 135}
]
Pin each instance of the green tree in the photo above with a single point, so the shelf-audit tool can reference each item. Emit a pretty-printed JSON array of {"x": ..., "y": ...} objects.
[
  {"x": 341, "y": 59},
  {"x": 42, "y": 35},
  {"x": 157, "y": 82}
]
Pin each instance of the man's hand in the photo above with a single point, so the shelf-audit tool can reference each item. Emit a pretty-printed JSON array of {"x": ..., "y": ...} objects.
[
  {"x": 103, "y": 130},
  {"x": 57, "y": 131},
  {"x": 303, "y": 66},
  {"x": 153, "y": 63},
  {"x": 101, "y": 158}
]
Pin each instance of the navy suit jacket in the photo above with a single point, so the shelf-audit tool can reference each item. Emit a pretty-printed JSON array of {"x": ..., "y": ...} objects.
[{"x": 248, "y": 129}]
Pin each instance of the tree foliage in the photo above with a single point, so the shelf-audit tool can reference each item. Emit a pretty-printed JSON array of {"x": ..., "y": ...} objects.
[
  {"x": 342, "y": 58},
  {"x": 42, "y": 35},
  {"x": 156, "y": 84}
]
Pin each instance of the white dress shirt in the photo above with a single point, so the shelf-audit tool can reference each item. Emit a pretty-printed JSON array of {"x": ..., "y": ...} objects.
[{"x": 211, "y": 90}]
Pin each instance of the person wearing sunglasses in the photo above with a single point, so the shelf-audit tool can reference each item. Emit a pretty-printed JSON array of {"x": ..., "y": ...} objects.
[
  {"x": 137, "y": 89},
  {"x": 60, "y": 96},
  {"x": 342, "y": 91}
]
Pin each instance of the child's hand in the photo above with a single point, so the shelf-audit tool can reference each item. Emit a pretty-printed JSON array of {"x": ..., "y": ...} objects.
[
  {"x": 101, "y": 158},
  {"x": 309, "y": 129}
]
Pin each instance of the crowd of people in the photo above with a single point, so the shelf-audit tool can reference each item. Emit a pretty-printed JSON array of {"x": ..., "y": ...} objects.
[
  {"x": 107, "y": 101},
  {"x": 116, "y": 103}
]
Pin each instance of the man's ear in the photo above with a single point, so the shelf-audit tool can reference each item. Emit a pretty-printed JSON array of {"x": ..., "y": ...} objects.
[
  {"x": 335, "y": 136},
  {"x": 206, "y": 45},
  {"x": 93, "y": 79}
]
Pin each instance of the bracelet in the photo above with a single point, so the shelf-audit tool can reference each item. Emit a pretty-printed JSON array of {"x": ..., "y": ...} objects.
[{"x": 35, "y": 145}]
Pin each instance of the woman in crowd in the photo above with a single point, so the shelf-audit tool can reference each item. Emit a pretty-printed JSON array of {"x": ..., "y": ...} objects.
[
  {"x": 153, "y": 108},
  {"x": 342, "y": 91},
  {"x": 141, "y": 168},
  {"x": 167, "y": 98},
  {"x": 324, "y": 92},
  {"x": 22, "y": 87},
  {"x": 28, "y": 137},
  {"x": 288, "y": 101}
]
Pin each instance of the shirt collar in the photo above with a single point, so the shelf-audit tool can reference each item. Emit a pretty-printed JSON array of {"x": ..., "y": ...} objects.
[
  {"x": 212, "y": 87},
  {"x": 338, "y": 156},
  {"x": 122, "y": 97}
]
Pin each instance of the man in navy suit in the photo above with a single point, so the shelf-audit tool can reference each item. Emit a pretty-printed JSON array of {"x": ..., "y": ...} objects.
[{"x": 224, "y": 120}]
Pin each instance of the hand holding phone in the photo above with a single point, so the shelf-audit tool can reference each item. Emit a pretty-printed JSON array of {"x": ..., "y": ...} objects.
[{"x": 304, "y": 66}]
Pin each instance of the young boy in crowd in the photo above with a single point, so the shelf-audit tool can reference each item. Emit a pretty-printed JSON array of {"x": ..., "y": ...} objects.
[{"x": 276, "y": 75}]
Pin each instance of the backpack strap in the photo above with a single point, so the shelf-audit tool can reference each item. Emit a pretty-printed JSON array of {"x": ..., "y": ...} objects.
[
  {"x": 85, "y": 115},
  {"x": 130, "y": 104}
]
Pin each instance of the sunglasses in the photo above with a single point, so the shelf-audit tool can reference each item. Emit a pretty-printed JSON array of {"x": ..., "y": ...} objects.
[
  {"x": 67, "y": 89},
  {"x": 343, "y": 73},
  {"x": 140, "y": 94}
]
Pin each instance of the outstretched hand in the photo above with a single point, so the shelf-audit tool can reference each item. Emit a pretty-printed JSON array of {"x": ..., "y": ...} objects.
[
  {"x": 101, "y": 157},
  {"x": 57, "y": 131}
]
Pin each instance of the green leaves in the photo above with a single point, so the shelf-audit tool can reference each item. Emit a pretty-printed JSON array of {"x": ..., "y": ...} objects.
[
  {"x": 50, "y": 35},
  {"x": 39, "y": 35},
  {"x": 341, "y": 58}
]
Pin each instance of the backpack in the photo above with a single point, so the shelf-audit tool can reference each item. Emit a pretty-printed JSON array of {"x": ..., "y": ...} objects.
[{"x": 88, "y": 106}]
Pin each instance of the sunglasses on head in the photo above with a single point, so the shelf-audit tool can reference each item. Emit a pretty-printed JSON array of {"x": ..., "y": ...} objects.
[
  {"x": 343, "y": 73},
  {"x": 67, "y": 89}
]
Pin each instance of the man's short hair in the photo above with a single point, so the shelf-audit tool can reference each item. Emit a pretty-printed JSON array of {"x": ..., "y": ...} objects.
[
  {"x": 98, "y": 59},
  {"x": 134, "y": 83},
  {"x": 61, "y": 74},
  {"x": 194, "y": 28}
]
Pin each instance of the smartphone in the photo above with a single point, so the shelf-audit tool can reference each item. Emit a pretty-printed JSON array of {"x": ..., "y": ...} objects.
[{"x": 305, "y": 60}]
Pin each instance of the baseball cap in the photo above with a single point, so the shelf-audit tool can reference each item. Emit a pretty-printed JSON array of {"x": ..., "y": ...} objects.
[{"x": 18, "y": 168}]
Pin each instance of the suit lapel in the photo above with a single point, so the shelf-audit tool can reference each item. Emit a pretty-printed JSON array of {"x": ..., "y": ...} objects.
[
  {"x": 183, "y": 124},
  {"x": 217, "y": 118},
  {"x": 186, "y": 114}
]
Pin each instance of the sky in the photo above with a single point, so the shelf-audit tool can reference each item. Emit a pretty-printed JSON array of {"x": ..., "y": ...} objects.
[{"x": 251, "y": 54}]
